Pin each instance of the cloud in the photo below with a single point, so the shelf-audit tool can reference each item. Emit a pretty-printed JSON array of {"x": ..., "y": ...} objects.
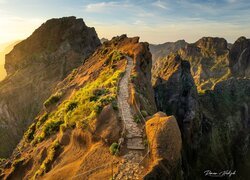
[
  {"x": 105, "y": 6},
  {"x": 160, "y": 4},
  {"x": 231, "y": 1}
]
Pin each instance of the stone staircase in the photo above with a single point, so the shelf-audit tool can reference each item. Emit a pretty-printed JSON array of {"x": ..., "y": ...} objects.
[
  {"x": 134, "y": 138},
  {"x": 130, "y": 167}
]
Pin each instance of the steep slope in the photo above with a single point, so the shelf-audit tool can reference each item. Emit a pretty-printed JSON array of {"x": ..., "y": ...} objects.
[
  {"x": 225, "y": 127},
  {"x": 239, "y": 57},
  {"x": 208, "y": 58},
  {"x": 77, "y": 132},
  {"x": 215, "y": 125},
  {"x": 34, "y": 67}
]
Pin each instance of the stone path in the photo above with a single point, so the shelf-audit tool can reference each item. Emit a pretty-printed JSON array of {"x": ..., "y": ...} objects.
[
  {"x": 129, "y": 168},
  {"x": 134, "y": 136}
]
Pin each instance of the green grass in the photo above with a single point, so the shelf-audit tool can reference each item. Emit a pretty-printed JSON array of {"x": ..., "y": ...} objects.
[
  {"x": 144, "y": 113},
  {"x": 29, "y": 134},
  {"x": 52, "y": 100},
  {"x": 113, "y": 57},
  {"x": 83, "y": 106},
  {"x": 42, "y": 119},
  {"x": 114, "y": 148},
  {"x": 137, "y": 119}
]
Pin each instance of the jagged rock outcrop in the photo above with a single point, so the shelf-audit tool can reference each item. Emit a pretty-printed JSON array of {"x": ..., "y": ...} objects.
[
  {"x": 164, "y": 140},
  {"x": 160, "y": 51},
  {"x": 34, "y": 67},
  {"x": 208, "y": 60},
  {"x": 239, "y": 57},
  {"x": 176, "y": 94}
]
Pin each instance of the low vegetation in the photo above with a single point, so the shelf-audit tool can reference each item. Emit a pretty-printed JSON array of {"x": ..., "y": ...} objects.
[
  {"x": 137, "y": 119},
  {"x": 144, "y": 113},
  {"x": 17, "y": 163},
  {"x": 42, "y": 119},
  {"x": 52, "y": 100},
  {"x": 52, "y": 153},
  {"x": 83, "y": 106},
  {"x": 114, "y": 148},
  {"x": 29, "y": 134}
]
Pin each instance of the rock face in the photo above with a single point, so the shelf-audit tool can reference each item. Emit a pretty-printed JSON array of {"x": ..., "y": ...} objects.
[
  {"x": 216, "y": 136},
  {"x": 239, "y": 58},
  {"x": 34, "y": 67},
  {"x": 225, "y": 126},
  {"x": 160, "y": 51},
  {"x": 164, "y": 139},
  {"x": 176, "y": 94},
  {"x": 208, "y": 60}
]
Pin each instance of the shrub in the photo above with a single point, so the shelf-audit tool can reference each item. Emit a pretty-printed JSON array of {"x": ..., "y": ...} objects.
[
  {"x": 29, "y": 134},
  {"x": 52, "y": 100},
  {"x": 71, "y": 106},
  {"x": 63, "y": 127},
  {"x": 114, "y": 148},
  {"x": 17, "y": 163},
  {"x": 98, "y": 108},
  {"x": 137, "y": 119},
  {"x": 41, "y": 120},
  {"x": 133, "y": 77},
  {"x": 51, "y": 127},
  {"x": 115, "y": 105},
  {"x": 2, "y": 160},
  {"x": 144, "y": 113}
]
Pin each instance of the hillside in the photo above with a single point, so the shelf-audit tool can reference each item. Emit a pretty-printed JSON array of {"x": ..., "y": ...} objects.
[
  {"x": 80, "y": 120},
  {"x": 34, "y": 68}
]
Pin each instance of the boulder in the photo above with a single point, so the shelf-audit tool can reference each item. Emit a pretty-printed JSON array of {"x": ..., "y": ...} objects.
[{"x": 164, "y": 140}]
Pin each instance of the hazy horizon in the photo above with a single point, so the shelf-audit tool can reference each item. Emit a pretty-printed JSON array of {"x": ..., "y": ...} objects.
[{"x": 153, "y": 21}]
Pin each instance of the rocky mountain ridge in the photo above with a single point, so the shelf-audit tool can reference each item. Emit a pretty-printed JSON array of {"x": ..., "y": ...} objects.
[{"x": 34, "y": 67}]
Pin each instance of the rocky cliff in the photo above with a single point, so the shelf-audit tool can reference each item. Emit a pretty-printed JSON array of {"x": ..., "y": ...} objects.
[
  {"x": 34, "y": 67},
  {"x": 214, "y": 126},
  {"x": 239, "y": 57}
]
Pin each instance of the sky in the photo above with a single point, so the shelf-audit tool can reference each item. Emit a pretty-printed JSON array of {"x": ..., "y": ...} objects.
[{"x": 155, "y": 21}]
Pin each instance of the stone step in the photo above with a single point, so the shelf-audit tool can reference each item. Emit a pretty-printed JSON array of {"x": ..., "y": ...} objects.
[
  {"x": 135, "y": 147},
  {"x": 134, "y": 136}
]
